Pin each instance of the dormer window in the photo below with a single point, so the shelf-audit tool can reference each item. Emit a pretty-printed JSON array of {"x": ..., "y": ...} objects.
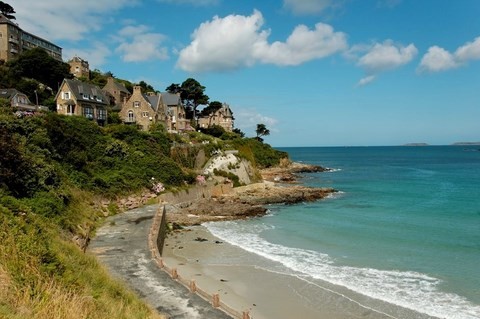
[
  {"x": 136, "y": 104},
  {"x": 66, "y": 95}
]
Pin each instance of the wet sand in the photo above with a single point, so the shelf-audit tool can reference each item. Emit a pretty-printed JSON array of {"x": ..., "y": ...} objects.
[{"x": 243, "y": 282}]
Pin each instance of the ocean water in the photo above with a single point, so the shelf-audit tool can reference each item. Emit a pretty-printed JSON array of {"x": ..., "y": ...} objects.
[{"x": 404, "y": 228}]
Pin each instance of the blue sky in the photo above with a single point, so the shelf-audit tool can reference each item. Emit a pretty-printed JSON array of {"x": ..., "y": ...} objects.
[{"x": 316, "y": 72}]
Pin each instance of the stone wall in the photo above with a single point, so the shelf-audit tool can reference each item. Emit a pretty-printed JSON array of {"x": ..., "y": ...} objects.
[{"x": 200, "y": 191}]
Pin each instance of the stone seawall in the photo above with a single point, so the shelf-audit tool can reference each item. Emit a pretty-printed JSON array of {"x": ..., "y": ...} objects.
[{"x": 195, "y": 193}]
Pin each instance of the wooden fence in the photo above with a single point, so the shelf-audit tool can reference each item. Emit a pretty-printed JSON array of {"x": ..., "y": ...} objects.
[{"x": 156, "y": 239}]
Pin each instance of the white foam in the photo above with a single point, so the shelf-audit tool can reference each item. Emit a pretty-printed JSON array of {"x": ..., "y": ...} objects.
[{"x": 408, "y": 289}]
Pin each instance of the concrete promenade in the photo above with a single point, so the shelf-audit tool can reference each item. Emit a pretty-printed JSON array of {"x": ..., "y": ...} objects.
[{"x": 122, "y": 246}]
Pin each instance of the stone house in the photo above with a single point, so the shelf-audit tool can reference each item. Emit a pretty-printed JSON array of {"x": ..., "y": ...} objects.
[
  {"x": 222, "y": 117},
  {"x": 20, "y": 101},
  {"x": 79, "y": 68},
  {"x": 144, "y": 110},
  {"x": 117, "y": 93},
  {"x": 83, "y": 99},
  {"x": 176, "y": 114}
]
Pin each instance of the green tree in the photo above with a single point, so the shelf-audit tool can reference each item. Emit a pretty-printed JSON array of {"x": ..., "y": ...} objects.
[
  {"x": 192, "y": 94},
  {"x": 238, "y": 132},
  {"x": 211, "y": 108},
  {"x": 174, "y": 88},
  {"x": 37, "y": 64},
  {"x": 146, "y": 87},
  {"x": 7, "y": 10},
  {"x": 261, "y": 131}
]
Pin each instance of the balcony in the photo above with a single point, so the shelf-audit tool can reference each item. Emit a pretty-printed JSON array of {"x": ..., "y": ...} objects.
[{"x": 13, "y": 40}]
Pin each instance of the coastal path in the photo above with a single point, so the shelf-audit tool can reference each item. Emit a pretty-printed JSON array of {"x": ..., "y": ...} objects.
[{"x": 122, "y": 246}]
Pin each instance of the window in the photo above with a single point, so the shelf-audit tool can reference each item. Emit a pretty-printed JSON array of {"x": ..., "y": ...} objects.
[
  {"x": 131, "y": 117},
  {"x": 66, "y": 95},
  {"x": 88, "y": 112},
  {"x": 136, "y": 104},
  {"x": 145, "y": 114},
  {"x": 70, "y": 109},
  {"x": 102, "y": 114}
]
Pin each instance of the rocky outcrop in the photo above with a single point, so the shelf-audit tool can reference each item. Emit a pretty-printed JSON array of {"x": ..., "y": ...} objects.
[
  {"x": 230, "y": 162},
  {"x": 244, "y": 202},
  {"x": 289, "y": 172}
]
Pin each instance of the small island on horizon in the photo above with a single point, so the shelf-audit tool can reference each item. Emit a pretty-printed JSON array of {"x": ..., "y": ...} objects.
[
  {"x": 453, "y": 144},
  {"x": 416, "y": 144},
  {"x": 466, "y": 143}
]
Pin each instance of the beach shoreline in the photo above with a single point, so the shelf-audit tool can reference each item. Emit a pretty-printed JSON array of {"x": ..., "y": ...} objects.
[
  {"x": 240, "y": 280},
  {"x": 245, "y": 282}
]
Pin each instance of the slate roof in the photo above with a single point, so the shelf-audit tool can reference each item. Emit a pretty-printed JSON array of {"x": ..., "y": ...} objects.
[
  {"x": 86, "y": 92},
  {"x": 118, "y": 86},
  {"x": 4, "y": 19},
  {"x": 153, "y": 100},
  {"x": 8, "y": 93},
  {"x": 171, "y": 99}
]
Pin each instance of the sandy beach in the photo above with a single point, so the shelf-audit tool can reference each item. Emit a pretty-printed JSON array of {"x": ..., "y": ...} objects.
[
  {"x": 247, "y": 282},
  {"x": 243, "y": 282}
]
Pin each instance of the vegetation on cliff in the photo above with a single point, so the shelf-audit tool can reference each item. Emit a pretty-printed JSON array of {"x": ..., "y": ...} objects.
[{"x": 54, "y": 172}]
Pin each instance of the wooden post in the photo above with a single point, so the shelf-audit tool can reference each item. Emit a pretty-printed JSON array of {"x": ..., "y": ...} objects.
[
  {"x": 193, "y": 286},
  {"x": 160, "y": 263},
  {"x": 216, "y": 300},
  {"x": 174, "y": 273}
]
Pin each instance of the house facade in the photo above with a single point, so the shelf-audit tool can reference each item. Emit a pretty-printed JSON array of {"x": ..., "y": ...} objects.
[
  {"x": 117, "y": 93},
  {"x": 14, "y": 41},
  {"x": 79, "y": 68},
  {"x": 222, "y": 117},
  {"x": 176, "y": 115},
  {"x": 143, "y": 110},
  {"x": 20, "y": 101},
  {"x": 82, "y": 99}
]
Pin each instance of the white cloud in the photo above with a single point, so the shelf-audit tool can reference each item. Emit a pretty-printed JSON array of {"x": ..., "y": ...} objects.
[
  {"x": 133, "y": 30},
  {"x": 302, "y": 45},
  {"x": 237, "y": 41},
  {"x": 96, "y": 55},
  {"x": 438, "y": 59},
  {"x": 366, "y": 80},
  {"x": 223, "y": 43},
  {"x": 386, "y": 56},
  {"x": 247, "y": 119},
  {"x": 469, "y": 51},
  {"x": 380, "y": 57},
  {"x": 307, "y": 6},
  {"x": 137, "y": 44},
  {"x": 70, "y": 20}
]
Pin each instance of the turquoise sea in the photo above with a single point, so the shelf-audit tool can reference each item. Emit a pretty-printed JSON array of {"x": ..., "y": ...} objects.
[{"x": 404, "y": 228}]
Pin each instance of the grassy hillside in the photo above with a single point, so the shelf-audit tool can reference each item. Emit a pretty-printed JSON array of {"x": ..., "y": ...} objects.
[{"x": 54, "y": 172}]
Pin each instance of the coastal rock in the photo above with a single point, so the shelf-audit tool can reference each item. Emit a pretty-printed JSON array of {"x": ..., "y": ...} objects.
[
  {"x": 289, "y": 172},
  {"x": 245, "y": 202}
]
